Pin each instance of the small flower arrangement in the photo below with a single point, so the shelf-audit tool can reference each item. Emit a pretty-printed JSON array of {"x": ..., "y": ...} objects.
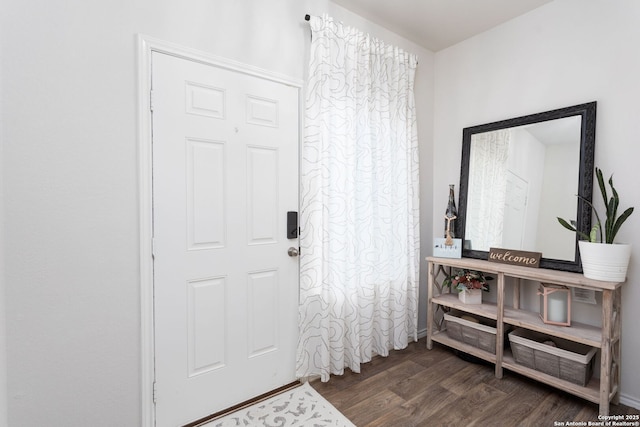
[{"x": 464, "y": 280}]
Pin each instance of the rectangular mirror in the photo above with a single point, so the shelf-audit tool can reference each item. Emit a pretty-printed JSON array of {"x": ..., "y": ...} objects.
[{"x": 518, "y": 175}]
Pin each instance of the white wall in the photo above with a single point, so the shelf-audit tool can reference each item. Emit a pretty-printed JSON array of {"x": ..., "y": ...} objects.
[
  {"x": 564, "y": 53},
  {"x": 70, "y": 170},
  {"x": 3, "y": 317},
  {"x": 559, "y": 163}
]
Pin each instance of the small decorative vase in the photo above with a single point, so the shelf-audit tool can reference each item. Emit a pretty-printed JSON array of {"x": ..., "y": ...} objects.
[
  {"x": 450, "y": 216},
  {"x": 605, "y": 261},
  {"x": 471, "y": 296}
]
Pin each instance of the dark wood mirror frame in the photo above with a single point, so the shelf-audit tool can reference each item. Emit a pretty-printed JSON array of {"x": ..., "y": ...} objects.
[{"x": 587, "y": 112}]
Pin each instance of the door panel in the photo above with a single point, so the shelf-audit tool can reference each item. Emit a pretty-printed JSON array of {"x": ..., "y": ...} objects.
[{"x": 225, "y": 173}]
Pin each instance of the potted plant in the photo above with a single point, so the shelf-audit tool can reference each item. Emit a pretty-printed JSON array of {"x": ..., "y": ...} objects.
[
  {"x": 602, "y": 259},
  {"x": 469, "y": 284}
]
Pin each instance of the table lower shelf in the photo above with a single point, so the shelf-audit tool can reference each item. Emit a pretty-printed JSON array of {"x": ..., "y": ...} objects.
[
  {"x": 444, "y": 339},
  {"x": 590, "y": 392}
]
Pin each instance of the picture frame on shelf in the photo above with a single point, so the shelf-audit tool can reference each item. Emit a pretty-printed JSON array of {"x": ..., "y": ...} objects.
[{"x": 442, "y": 250}]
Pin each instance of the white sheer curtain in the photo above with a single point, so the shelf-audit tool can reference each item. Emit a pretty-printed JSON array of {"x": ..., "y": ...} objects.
[
  {"x": 488, "y": 179},
  {"x": 360, "y": 222}
]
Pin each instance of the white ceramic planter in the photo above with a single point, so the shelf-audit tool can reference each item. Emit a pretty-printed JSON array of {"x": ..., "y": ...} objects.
[
  {"x": 602, "y": 261},
  {"x": 473, "y": 296}
]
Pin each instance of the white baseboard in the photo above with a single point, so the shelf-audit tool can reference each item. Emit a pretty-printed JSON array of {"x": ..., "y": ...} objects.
[{"x": 627, "y": 400}]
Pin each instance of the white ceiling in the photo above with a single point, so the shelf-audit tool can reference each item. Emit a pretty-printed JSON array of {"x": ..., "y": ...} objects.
[
  {"x": 437, "y": 24},
  {"x": 559, "y": 131}
]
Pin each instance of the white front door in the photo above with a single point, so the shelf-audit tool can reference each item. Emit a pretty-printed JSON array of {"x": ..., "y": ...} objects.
[{"x": 225, "y": 173}]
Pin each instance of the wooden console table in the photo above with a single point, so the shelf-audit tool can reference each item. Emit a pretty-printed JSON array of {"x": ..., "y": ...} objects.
[{"x": 606, "y": 338}]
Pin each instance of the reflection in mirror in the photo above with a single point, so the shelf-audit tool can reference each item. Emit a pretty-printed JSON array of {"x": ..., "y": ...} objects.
[
  {"x": 523, "y": 178},
  {"x": 519, "y": 175}
]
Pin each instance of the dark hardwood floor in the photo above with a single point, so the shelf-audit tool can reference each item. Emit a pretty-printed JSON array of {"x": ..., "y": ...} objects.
[{"x": 420, "y": 387}]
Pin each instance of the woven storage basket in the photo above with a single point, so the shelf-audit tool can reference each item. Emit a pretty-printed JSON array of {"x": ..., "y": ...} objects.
[
  {"x": 474, "y": 334},
  {"x": 570, "y": 361}
]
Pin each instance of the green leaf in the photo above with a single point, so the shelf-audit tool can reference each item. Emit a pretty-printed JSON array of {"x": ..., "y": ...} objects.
[
  {"x": 603, "y": 189},
  {"x": 612, "y": 212},
  {"x": 598, "y": 223},
  {"x": 608, "y": 224},
  {"x": 619, "y": 222},
  {"x": 593, "y": 236},
  {"x": 612, "y": 223},
  {"x": 566, "y": 225},
  {"x": 446, "y": 282},
  {"x": 571, "y": 227}
]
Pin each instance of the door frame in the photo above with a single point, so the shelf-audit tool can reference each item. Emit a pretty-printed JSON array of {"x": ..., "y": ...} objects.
[{"x": 146, "y": 46}]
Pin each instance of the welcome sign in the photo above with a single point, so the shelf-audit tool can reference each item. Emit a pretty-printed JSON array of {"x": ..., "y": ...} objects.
[{"x": 515, "y": 257}]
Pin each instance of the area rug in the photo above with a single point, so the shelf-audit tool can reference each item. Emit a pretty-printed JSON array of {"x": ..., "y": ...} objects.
[{"x": 301, "y": 406}]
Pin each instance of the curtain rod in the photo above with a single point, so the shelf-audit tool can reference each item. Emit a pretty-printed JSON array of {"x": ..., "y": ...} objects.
[{"x": 308, "y": 17}]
